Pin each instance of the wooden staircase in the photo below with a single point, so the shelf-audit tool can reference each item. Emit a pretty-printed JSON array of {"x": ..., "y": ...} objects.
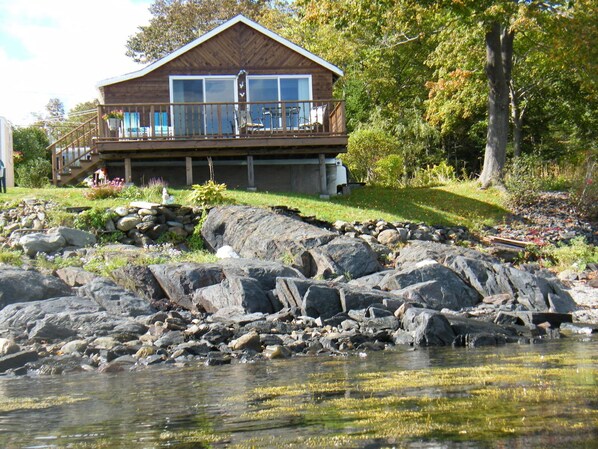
[{"x": 75, "y": 156}]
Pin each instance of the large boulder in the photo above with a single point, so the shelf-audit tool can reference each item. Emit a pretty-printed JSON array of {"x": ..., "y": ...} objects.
[
  {"x": 426, "y": 327},
  {"x": 139, "y": 279},
  {"x": 260, "y": 233},
  {"x": 263, "y": 271},
  {"x": 76, "y": 237},
  {"x": 321, "y": 301},
  {"x": 57, "y": 318},
  {"x": 234, "y": 291},
  {"x": 115, "y": 299},
  {"x": 180, "y": 281},
  {"x": 38, "y": 242},
  {"x": 432, "y": 284},
  {"x": 353, "y": 258},
  {"x": 19, "y": 285}
]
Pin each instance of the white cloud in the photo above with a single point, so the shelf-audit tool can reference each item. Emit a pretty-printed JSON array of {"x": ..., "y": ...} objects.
[{"x": 66, "y": 47}]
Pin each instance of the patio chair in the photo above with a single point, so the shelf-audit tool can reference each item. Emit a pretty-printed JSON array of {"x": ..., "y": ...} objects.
[
  {"x": 315, "y": 119},
  {"x": 246, "y": 123}
]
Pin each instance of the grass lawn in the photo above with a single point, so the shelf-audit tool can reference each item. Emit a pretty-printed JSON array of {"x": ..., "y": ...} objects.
[{"x": 454, "y": 204}]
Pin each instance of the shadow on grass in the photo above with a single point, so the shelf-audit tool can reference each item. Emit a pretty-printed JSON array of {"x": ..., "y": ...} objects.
[{"x": 428, "y": 204}]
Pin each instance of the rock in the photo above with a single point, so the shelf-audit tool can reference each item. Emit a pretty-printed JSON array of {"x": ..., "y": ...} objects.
[
  {"x": 76, "y": 237},
  {"x": 371, "y": 280},
  {"x": 470, "y": 326},
  {"x": 170, "y": 339},
  {"x": 118, "y": 365},
  {"x": 531, "y": 319},
  {"x": 343, "y": 256},
  {"x": 392, "y": 237},
  {"x": 265, "y": 272},
  {"x": 481, "y": 339},
  {"x": 261, "y": 234},
  {"x": 75, "y": 276},
  {"x": 121, "y": 211},
  {"x": 356, "y": 298},
  {"x": 321, "y": 301},
  {"x": 41, "y": 243},
  {"x": 433, "y": 285},
  {"x": 8, "y": 346},
  {"x": 115, "y": 299},
  {"x": 418, "y": 251},
  {"x": 250, "y": 340},
  {"x": 19, "y": 285},
  {"x": 277, "y": 352},
  {"x": 235, "y": 291},
  {"x": 180, "y": 281},
  {"x": 17, "y": 360},
  {"x": 217, "y": 358},
  {"x": 291, "y": 291},
  {"x": 427, "y": 327},
  {"x": 74, "y": 347},
  {"x": 128, "y": 222},
  {"x": 139, "y": 279},
  {"x": 56, "y": 327}
]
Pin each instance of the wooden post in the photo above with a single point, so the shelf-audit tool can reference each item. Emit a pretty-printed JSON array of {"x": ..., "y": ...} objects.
[
  {"x": 250, "y": 175},
  {"x": 323, "y": 183},
  {"x": 128, "y": 175},
  {"x": 189, "y": 170}
]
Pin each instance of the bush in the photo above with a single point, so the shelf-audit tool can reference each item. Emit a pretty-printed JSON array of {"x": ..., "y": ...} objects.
[
  {"x": 93, "y": 220},
  {"x": 208, "y": 193},
  {"x": 366, "y": 147},
  {"x": 34, "y": 173},
  {"x": 389, "y": 170},
  {"x": 105, "y": 189},
  {"x": 576, "y": 255},
  {"x": 435, "y": 175},
  {"x": 522, "y": 183}
]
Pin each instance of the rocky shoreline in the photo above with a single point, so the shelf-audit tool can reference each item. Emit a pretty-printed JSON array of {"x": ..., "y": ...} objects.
[{"x": 332, "y": 295}]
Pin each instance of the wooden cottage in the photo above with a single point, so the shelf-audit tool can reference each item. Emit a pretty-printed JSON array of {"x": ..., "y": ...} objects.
[{"x": 258, "y": 105}]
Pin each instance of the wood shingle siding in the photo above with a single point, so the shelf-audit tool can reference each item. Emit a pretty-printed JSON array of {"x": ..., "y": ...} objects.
[{"x": 239, "y": 47}]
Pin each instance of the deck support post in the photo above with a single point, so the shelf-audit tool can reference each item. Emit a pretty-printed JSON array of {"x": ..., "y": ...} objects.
[
  {"x": 128, "y": 171},
  {"x": 250, "y": 175},
  {"x": 323, "y": 182},
  {"x": 189, "y": 170}
]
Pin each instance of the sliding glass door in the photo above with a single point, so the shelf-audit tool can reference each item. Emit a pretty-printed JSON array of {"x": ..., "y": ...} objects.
[
  {"x": 215, "y": 116},
  {"x": 294, "y": 91}
]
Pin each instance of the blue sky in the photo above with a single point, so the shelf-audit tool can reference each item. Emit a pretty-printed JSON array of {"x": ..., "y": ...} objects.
[{"x": 62, "y": 48}]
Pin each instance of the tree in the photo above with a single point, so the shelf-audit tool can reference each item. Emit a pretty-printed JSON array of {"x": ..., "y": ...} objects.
[
  {"x": 175, "y": 23},
  {"x": 30, "y": 143}
]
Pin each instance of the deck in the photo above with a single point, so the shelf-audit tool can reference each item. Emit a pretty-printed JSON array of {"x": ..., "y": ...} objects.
[{"x": 187, "y": 130}]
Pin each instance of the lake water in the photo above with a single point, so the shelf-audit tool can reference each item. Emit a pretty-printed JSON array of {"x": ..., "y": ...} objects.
[{"x": 543, "y": 395}]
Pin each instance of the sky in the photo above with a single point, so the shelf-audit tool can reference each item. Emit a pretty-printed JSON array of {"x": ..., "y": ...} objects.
[{"x": 62, "y": 49}]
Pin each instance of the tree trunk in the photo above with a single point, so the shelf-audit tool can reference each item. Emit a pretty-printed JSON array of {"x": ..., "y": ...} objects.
[
  {"x": 499, "y": 57},
  {"x": 517, "y": 117}
]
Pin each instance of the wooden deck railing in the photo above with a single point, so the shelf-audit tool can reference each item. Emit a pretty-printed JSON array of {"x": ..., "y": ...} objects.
[
  {"x": 174, "y": 121},
  {"x": 70, "y": 150}
]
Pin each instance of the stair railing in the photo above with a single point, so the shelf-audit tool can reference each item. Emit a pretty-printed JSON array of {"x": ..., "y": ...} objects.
[{"x": 70, "y": 150}]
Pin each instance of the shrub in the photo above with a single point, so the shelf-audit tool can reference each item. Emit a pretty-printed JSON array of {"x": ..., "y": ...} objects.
[
  {"x": 11, "y": 257},
  {"x": 105, "y": 189},
  {"x": 575, "y": 255},
  {"x": 523, "y": 186},
  {"x": 170, "y": 237},
  {"x": 389, "y": 170},
  {"x": 366, "y": 147},
  {"x": 60, "y": 218},
  {"x": 435, "y": 175},
  {"x": 93, "y": 220},
  {"x": 208, "y": 193},
  {"x": 34, "y": 173}
]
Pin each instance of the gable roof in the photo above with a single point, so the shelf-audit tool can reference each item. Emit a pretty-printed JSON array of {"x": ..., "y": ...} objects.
[{"x": 200, "y": 40}]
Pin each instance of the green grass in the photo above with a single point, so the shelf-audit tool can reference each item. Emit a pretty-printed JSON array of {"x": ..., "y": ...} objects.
[{"x": 454, "y": 204}]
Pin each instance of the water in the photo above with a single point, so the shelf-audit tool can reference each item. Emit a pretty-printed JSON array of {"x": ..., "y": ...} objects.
[{"x": 514, "y": 396}]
